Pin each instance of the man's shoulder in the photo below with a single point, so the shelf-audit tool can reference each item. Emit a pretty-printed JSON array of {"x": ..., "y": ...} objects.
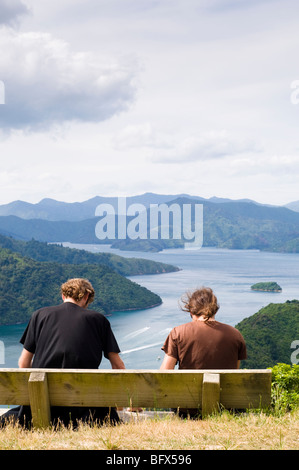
[
  {"x": 43, "y": 312},
  {"x": 229, "y": 329},
  {"x": 183, "y": 327},
  {"x": 95, "y": 314},
  {"x": 46, "y": 309},
  {"x": 226, "y": 326}
]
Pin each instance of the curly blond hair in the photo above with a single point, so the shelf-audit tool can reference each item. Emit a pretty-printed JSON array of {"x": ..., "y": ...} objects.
[{"x": 77, "y": 288}]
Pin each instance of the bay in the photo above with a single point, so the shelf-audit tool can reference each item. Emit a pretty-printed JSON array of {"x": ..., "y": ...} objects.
[{"x": 230, "y": 273}]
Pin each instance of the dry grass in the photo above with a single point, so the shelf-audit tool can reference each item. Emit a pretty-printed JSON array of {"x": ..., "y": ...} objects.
[{"x": 252, "y": 431}]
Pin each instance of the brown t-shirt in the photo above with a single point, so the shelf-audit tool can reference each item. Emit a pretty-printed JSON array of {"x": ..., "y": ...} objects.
[{"x": 201, "y": 345}]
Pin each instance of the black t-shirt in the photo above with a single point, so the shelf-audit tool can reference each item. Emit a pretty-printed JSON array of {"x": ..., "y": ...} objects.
[{"x": 68, "y": 336}]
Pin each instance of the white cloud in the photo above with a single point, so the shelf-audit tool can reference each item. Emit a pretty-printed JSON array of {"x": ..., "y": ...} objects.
[
  {"x": 141, "y": 136},
  {"x": 46, "y": 82},
  {"x": 211, "y": 145},
  {"x": 228, "y": 5}
]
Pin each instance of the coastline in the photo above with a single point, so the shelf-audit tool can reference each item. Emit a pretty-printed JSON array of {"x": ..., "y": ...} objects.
[
  {"x": 267, "y": 290},
  {"x": 136, "y": 309}
]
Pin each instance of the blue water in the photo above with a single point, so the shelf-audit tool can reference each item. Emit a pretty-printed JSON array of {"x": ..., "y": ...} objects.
[{"x": 230, "y": 273}]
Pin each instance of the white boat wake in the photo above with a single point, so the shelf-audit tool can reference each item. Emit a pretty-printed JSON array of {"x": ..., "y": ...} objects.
[
  {"x": 136, "y": 333},
  {"x": 141, "y": 347}
]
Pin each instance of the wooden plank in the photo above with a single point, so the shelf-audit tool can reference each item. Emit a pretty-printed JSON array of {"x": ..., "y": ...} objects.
[
  {"x": 39, "y": 399},
  {"x": 14, "y": 386},
  {"x": 245, "y": 389},
  {"x": 151, "y": 389},
  {"x": 210, "y": 394}
]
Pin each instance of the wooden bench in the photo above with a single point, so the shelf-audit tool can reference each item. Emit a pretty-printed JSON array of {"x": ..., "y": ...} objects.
[{"x": 208, "y": 390}]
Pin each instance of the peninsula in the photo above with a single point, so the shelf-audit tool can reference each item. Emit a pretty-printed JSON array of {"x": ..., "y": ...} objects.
[{"x": 31, "y": 273}]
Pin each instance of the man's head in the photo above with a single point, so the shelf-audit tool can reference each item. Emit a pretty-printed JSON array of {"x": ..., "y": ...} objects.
[
  {"x": 201, "y": 302},
  {"x": 77, "y": 290}
]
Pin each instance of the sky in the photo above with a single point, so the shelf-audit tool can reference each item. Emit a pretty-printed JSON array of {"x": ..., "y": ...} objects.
[{"x": 123, "y": 97}]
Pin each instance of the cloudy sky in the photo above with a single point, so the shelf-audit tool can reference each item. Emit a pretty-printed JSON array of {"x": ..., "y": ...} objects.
[{"x": 122, "y": 97}]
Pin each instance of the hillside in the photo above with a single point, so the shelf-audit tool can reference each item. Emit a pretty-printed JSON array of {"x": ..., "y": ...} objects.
[
  {"x": 226, "y": 224},
  {"x": 27, "y": 285},
  {"x": 42, "y": 251},
  {"x": 269, "y": 334},
  {"x": 294, "y": 206}
]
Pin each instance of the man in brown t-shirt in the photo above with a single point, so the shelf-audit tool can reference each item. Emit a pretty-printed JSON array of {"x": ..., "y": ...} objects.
[{"x": 203, "y": 343}]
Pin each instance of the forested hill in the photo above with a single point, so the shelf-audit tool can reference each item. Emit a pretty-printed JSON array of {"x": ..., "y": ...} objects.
[
  {"x": 42, "y": 251},
  {"x": 26, "y": 285},
  {"x": 269, "y": 335}
]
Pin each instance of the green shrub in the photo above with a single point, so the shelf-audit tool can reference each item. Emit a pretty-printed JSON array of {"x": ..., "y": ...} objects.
[{"x": 285, "y": 387}]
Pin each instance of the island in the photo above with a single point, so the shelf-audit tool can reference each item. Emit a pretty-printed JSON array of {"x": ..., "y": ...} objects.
[{"x": 267, "y": 287}]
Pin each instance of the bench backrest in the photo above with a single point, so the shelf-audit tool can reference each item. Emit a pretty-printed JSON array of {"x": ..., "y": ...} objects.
[{"x": 203, "y": 389}]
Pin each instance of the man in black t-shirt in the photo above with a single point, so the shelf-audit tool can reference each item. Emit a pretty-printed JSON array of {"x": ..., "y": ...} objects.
[{"x": 70, "y": 336}]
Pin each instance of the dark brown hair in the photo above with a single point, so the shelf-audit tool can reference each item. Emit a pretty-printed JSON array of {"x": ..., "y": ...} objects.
[{"x": 200, "y": 302}]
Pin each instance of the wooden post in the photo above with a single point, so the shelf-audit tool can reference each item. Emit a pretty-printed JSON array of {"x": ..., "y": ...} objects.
[
  {"x": 39, "y": 399},
  {"x": 210, "y": 394}
]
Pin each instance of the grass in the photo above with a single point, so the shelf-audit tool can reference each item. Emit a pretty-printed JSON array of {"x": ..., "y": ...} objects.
[{"x": 248, "y": 431}]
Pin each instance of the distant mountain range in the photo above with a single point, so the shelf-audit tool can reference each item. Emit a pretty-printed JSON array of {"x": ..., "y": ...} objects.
[
  {"x": 234, "y": 224},
  {"x": 50, "y": 209}
]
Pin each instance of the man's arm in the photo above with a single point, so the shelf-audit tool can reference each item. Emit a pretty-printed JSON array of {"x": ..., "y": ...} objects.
[
  {"x": 169, "y": 362},
  {"x": 25, "y": 359},
  {"x": 116, "y": 361}
]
